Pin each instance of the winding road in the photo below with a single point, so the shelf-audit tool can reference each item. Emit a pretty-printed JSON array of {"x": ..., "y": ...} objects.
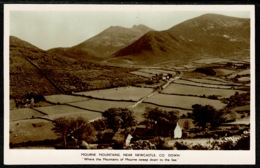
[{"x": 156, "y": 91}]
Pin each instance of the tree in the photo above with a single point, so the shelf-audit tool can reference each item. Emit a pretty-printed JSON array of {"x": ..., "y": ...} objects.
[
  {"x": 77, "y": 128},
  {"x": 119, "y": 118},
  {"x": 204, "y": 115},
  {"x": 161, "y": 121}
]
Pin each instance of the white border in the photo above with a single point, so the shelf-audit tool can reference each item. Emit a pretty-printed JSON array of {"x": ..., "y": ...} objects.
[{"x": 14, "y": 157}]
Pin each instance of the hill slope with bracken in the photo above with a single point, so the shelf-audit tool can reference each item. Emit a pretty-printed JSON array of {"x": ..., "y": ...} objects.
[
  {"x": 105, "y": 43},
  {"x": 24, "y": 77},
  {"x": 209, "y": 35},
  {"x": 35, "y": 70}
]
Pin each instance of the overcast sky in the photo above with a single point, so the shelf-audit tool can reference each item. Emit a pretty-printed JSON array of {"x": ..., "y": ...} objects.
[{"x": 49, "y": 29}]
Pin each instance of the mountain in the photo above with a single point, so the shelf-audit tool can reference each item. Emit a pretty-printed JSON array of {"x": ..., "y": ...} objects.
[
  {"x": 209, "y": 35},
  {"x": 105, "y": 43}
]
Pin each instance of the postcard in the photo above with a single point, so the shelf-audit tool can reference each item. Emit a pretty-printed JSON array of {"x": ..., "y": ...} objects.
[{"x": 129, "y": 84}]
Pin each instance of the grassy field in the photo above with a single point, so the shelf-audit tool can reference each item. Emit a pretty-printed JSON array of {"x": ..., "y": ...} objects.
[
  {"x": 156, "y": 71},
  {"x": 208, "y": 81},
  {"x": 61, "y": 98},
  {"x": 23, "y": 113},
  {"x": 242, "y": 108},
  {"x": 31, "y": 130},
  {"x": 58, "y": 109},
  {"x": 143, "y": 74},
  {"x": 100, "y": 105},
  {"x": 140, "y": 109},
  {"x": 244, "y": 72},
  {"x": 198, "y": 91},
  {"x": 244, "y": 79},
  {"x": 88, "y": 115},
  {"x": 223, "y": 72},
  {"x": 182, "y": 101},
  {"x": 185, "y": 82},
  {"x": 121, "y": 93}
]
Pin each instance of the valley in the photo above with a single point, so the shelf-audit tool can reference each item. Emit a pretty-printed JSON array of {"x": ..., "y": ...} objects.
[{"x": 136, "y": 69}]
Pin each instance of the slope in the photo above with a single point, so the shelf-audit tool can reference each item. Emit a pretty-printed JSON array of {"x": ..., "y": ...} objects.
[{"x": 209, "y": 35}]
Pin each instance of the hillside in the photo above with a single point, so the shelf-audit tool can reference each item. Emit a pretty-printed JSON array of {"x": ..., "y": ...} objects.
[
  {"x": 209, "y": 35},
  {"x": 34, "y": 70},
  {"x": 105, "y": 43},
  {"x": 24, "y": 77}
]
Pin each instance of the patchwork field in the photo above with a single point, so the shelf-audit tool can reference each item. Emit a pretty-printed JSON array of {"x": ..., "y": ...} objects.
[
  {"x": 61, "y": 98},
  {"x": 121, "y": 93},
  {"x": 24, "y": 113},
  {"x": 185, "y": 102},
  {"x": 198, "y": 91},
  {"x": 100, "y": 105}
]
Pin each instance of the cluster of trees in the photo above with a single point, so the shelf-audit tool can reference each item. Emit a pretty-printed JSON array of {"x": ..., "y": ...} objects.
[
  {"x": 117, "y": 118},
  {"x": 238, "y": 99},
  {"x": 78, "y": 129},
  {"x": 207, "y": 116},
  {"x": 161, "y": 121}
]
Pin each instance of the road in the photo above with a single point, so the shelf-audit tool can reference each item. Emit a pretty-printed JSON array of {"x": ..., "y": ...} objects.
[{"x": 155, "y": 91}]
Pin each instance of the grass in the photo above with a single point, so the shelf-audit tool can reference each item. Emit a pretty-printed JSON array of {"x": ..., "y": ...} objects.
[
  {"x": 198, "y": 91},
  {"x": 121, "y": 93},
  {"x": 244, "y": 72},
  {"x": 88, "y": 115},
  {"x": 59, "y": 109},
  {"x": 244, "y": 79},
  {"x": 31, "y": 130},
  {"x": 185, "y": 82},
  {"x": 61, "y": 98},
  {"x": 208, "y": 81},
  {"x": 143, "y": 74},
  {"x": 242, "y": 108},
  {"x": 100, "y": 105},
  {"x": 24, "y": 113},
  {"x": 222, "y": 72},
  {"x": 182, "y": 101}
]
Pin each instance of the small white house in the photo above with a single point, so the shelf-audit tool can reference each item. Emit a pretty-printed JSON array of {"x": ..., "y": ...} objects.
[{"x": 177, "y": 131}]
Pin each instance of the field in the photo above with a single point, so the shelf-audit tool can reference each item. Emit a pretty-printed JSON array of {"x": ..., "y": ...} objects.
[
  {"x": 223, "y": 72},
  {"x": 186, "y": 82},
  {"x": 143, "y": 74},
  {"x": 208, "y": 81},
  {"x": 57, "y": 111},
  {"x": 121, "y": 93},
  {"x": 31, "y": 130},
  {"x": 210, "y": 60},
  {"x": 244, "y": 72},
  {"x": 24, "y": 113},
  {"x": 244, "y": 79},
  {"x": 198, "y": 91},
  {"x": 182, "y": 101},
  {"x": 61, "y": 98},
  {"x": 100, "y": 105},
  {"x": 140, "y": 109}
]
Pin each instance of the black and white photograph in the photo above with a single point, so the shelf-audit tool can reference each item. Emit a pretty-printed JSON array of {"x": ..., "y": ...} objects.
[{"x": 128, "y": 84}]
